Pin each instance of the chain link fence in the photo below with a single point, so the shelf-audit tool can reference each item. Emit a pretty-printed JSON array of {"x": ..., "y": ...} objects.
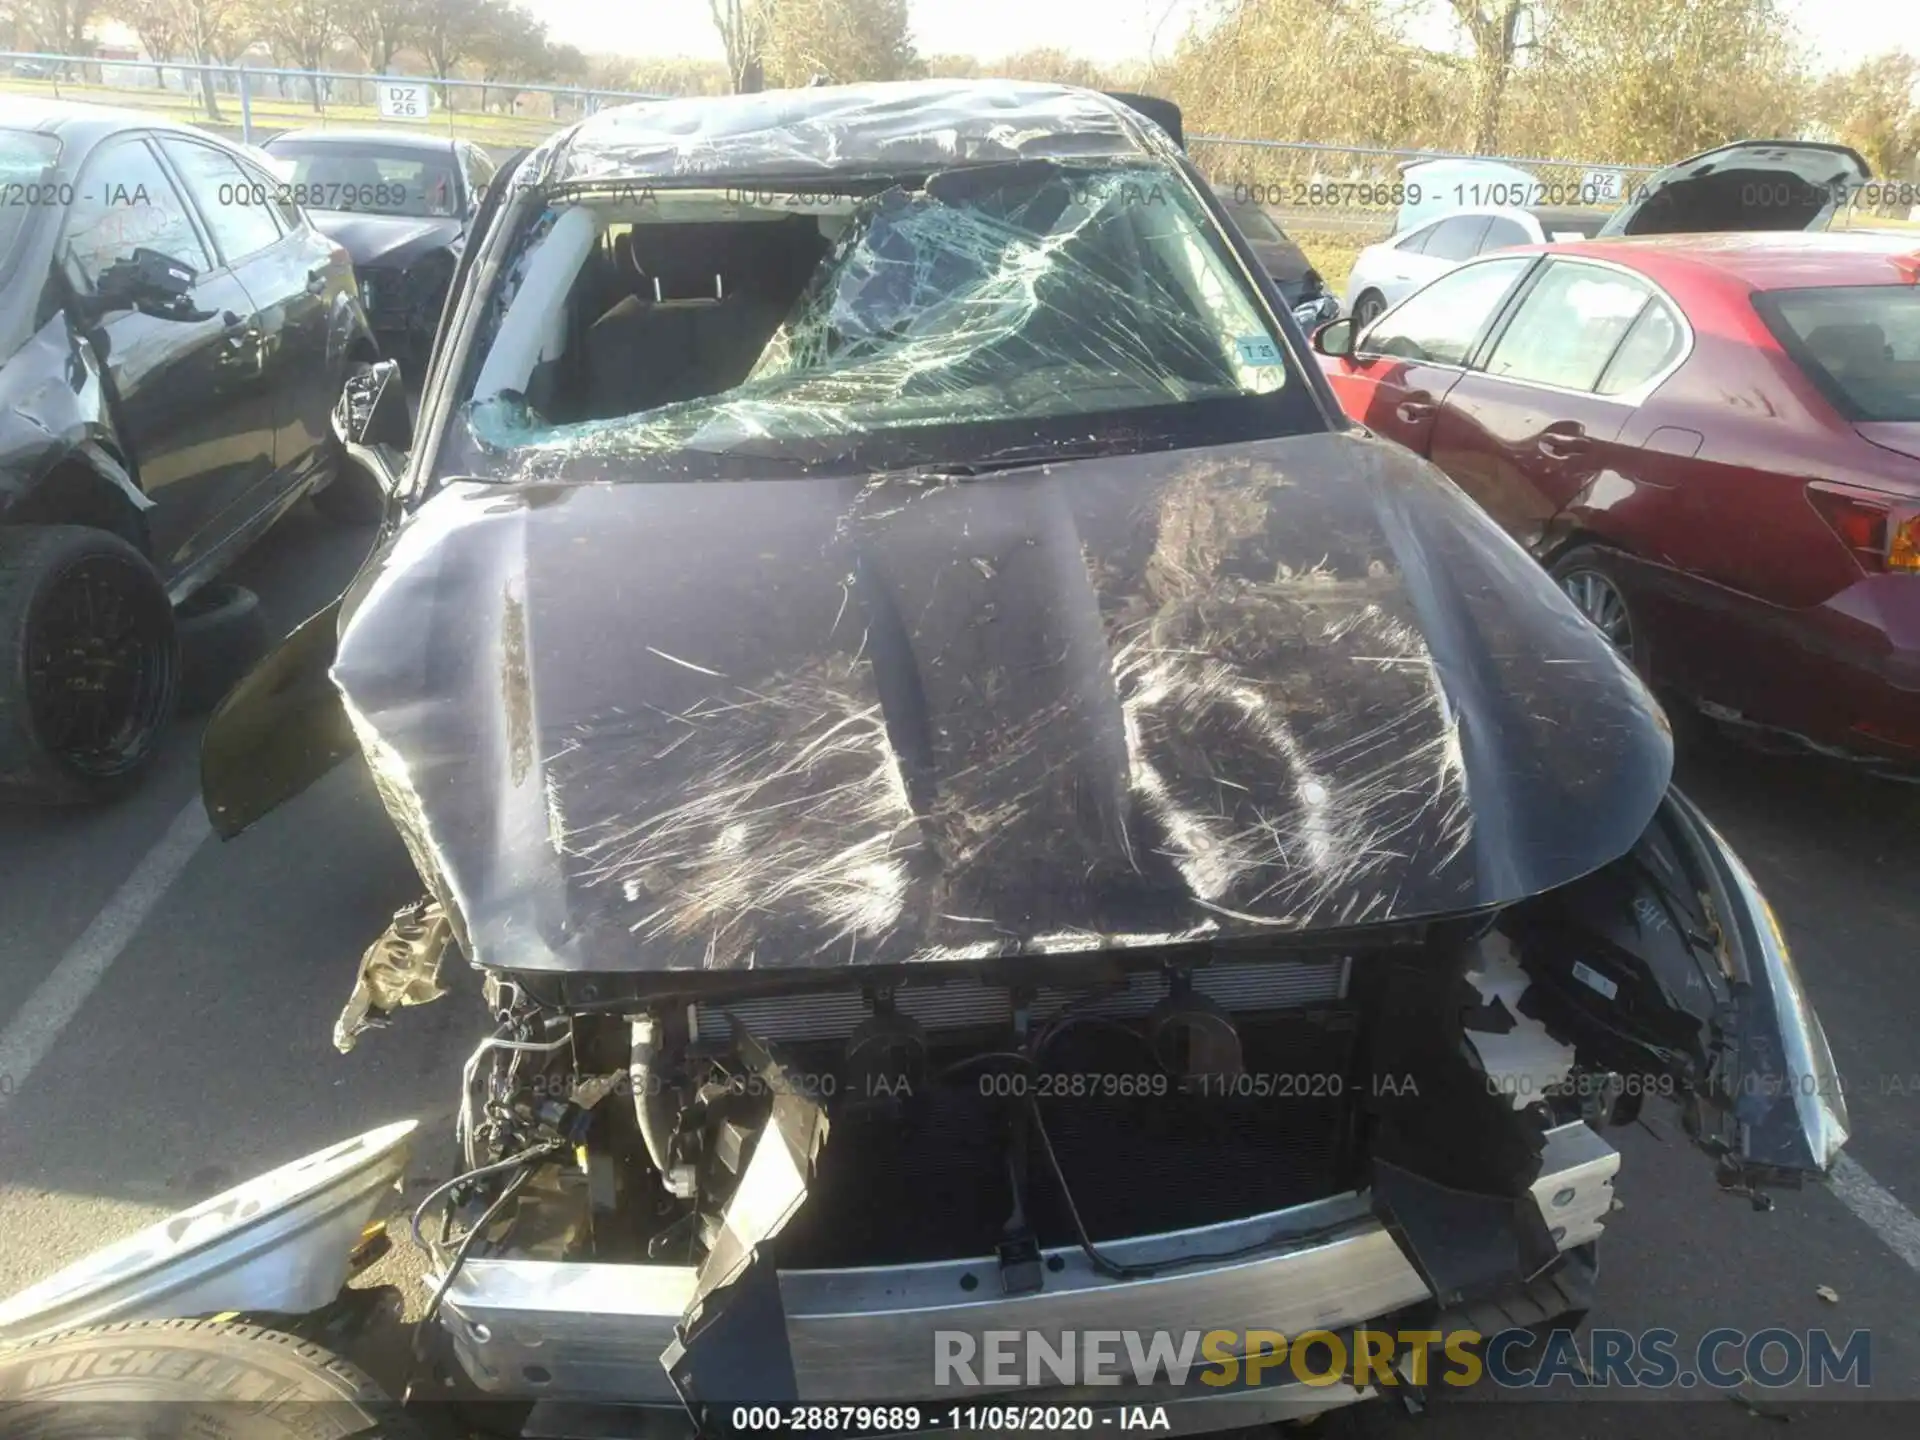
[
  {"x": 1354, "y": 193},
  {"x": 255, "y": 103}
]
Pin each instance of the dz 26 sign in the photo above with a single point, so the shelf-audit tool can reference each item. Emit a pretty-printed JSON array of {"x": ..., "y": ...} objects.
[{"x": 403, "y": 100}]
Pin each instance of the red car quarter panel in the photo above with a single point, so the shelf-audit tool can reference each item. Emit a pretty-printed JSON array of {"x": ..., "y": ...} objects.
[{"x": 1729, "y": 423}]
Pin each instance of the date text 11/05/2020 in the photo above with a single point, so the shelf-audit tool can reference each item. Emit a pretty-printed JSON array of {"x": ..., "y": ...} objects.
[
  {"x": 1076, "y": 1085},
  {"x": 1234, "y": 1361}
]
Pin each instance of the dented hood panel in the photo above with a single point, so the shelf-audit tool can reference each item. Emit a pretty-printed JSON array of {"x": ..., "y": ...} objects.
[{"x": 1289, "y": 686}]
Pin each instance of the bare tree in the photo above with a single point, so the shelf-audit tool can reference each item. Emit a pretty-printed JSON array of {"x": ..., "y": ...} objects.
[
  {"x": 1495, "y": 29},
  {"x": 57, "y": 26},
  {"x": 448, "y": 32},
  {"x": 302, "y": 31},
  {"x": 743, "y": 33},
  {"x": 511, "y": 44},
  {"x": 381, "y": 28},
  {"x": 213, "y": 32},
  {"x": 157, "y": 23}
]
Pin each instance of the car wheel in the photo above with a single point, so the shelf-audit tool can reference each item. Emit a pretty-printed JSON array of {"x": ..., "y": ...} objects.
[
  {"x": 158, "y": 1379},
  {"x": 223, "y": 634},
  {"x": 89, "y": 664},
  {"x": 354, "y": 496},
  {"x": 1368, "y": 308},
  {"x": 1589, "y": 578}
]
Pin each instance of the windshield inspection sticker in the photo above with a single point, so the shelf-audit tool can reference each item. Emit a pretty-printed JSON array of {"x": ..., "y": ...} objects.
[{"x": 1257, "y": 350}]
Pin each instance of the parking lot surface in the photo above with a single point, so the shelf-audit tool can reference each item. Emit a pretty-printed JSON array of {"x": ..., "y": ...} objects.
[{"x": 166, "y": 1003}]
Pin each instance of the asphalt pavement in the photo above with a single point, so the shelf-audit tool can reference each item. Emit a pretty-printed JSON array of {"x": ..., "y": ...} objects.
[{"x": 166, "y": 1003}]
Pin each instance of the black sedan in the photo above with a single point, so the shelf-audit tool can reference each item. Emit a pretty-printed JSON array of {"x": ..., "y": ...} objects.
[
  {"x": 172, "y": 338},
  {"x": 1285, "y": 262},
  {"x": 400, "y": 203}
]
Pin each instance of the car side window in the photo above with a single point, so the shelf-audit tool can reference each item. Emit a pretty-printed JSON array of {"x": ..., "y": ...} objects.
[
  {"x": 237, "y": 210},
  {"x": 125, "y": 202},
  {"x": 1458, "y": 238},
  {"x": 1502, "y": 231},
  {"x": 1416, "y": 243},
  {"x": 1568, "y": 326},
  {"x": 1443, "y": 322},
  {"x": 1651, "y": 345},
  {"x": 292, "y": 218}
]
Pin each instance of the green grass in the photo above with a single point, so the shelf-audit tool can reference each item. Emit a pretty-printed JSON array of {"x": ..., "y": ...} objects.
[{"x": 1333, "y": 254}]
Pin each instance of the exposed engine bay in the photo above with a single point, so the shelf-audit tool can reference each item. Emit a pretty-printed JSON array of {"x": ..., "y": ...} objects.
[
  {"x": 979, "y": 1113},
  {"x": 662, "y": 1163}
]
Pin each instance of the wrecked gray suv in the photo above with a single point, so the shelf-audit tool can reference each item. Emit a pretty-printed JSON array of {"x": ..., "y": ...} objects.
[{"x": 978, "y": 800}]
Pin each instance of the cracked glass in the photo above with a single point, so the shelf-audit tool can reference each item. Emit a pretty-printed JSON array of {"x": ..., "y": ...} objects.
[{"x": 1032, "y": 290}]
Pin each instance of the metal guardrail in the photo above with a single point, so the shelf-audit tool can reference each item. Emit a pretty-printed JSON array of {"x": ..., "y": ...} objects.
[
  {"x": 1350, "y": 194},
  {"x": 274, "y": 98},
  {"x": 268, "y": 99}
]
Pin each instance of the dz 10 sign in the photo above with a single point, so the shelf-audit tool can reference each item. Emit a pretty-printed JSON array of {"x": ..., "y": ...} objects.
[{"x": 403, "y": 100}]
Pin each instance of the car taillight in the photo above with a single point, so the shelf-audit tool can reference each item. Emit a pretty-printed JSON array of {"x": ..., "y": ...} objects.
[{"x": 1881, "y": 531}]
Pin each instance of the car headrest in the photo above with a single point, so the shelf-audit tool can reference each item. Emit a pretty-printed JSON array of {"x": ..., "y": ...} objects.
[{"x": 1848, "y": 345}]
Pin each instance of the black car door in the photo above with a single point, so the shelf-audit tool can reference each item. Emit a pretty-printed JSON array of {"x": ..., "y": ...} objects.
[
  {"x": 185, "y": 386},
  {"x": 288, "y": 274}
]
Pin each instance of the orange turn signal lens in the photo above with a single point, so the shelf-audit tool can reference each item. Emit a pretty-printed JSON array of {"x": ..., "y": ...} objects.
[
  {"x": 1858, "y": 518},
  {"x": 1903, "y": 543}
]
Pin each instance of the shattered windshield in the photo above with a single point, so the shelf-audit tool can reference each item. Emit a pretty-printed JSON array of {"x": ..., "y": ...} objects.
[{"x": 719, "y": 321}]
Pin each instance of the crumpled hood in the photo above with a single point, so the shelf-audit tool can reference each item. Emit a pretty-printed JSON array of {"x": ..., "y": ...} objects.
[
  {"x": 1271, "y": 688},
  {"x": 395, "y": 240}
]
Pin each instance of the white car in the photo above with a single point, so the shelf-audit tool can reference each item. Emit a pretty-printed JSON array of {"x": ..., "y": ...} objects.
[{"x": 1386, "y": 273}]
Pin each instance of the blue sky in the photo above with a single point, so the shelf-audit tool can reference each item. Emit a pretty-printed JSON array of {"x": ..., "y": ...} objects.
[{"x": 1112, "y": 30}]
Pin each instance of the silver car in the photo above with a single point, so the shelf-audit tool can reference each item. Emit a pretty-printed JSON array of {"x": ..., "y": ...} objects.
[{"x": 1385, "y": 274}]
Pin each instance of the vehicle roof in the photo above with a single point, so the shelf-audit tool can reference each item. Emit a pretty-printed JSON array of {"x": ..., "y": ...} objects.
[
  {"x": 395, "y": 139},
  {"x": 81, "y": 124},
  {"x": 1764, "y": 260},
  {"x": 887, "y": 128},
  {"x": 1546, "y": 215}
]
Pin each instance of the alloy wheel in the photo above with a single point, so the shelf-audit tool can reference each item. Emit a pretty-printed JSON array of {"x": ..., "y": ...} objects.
[{"x": 1596, "y": 597}]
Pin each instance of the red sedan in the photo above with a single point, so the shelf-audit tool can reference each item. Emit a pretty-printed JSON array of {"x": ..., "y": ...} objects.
[{"x": 1713, "y": 441}]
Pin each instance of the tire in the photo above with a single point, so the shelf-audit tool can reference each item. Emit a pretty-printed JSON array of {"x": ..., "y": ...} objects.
[
  {"x": 223, "y": 634},
  {"x": 158, "y": 1379},
  {"x": 1582, "y": 573},
  {"x": 1368, "y": 308},
  {"x": 83, "y": 703},
  {"x": 353, "y": 497}
]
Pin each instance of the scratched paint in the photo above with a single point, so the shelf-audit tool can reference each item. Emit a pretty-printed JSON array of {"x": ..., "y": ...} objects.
[{"x": 1266, "y": 689}]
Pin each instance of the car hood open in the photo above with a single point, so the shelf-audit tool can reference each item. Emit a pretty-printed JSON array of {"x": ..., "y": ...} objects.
[
  {"x": 1748, "y": 185},
  {"x": 1290, "y": 686}
]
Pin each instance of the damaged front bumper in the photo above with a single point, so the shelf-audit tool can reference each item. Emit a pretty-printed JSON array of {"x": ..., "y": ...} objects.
[
  {"x": 598, "y": 1332},
  {"x": 281, "y": 1243}
]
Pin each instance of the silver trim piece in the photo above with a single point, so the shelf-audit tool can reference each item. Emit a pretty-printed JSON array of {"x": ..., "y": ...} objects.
[
  {"x": 594, "y": 1332},
  {"x": 281, "y": 1243}
]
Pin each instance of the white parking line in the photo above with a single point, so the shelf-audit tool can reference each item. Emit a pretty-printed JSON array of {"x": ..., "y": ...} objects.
[
  {"x": 1874, "y": 1204},
  {"x": 30, "y": 1035}
]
